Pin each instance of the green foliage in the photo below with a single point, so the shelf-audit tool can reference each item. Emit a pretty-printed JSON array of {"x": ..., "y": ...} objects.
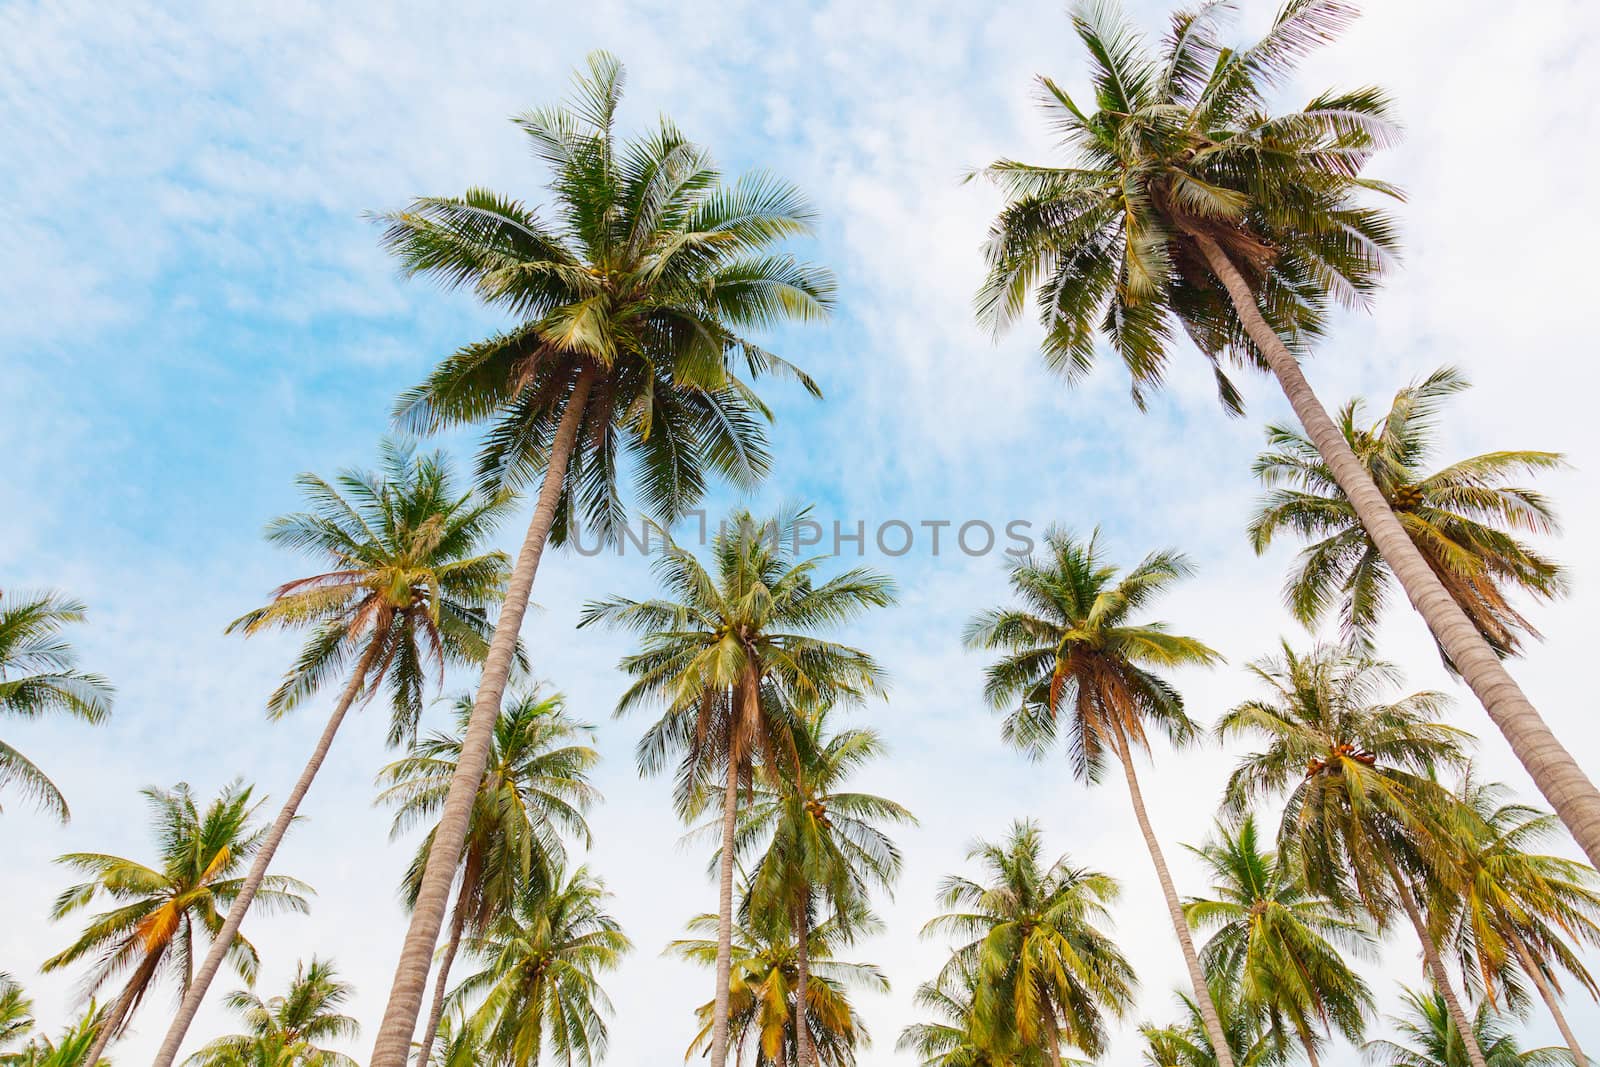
[
  {"x": 1251, "y": 1037},
  {"x": 286, "y": 1031},
  {"x": 70, "y": 1049},
  {"x": 1428, "y": 1038}
]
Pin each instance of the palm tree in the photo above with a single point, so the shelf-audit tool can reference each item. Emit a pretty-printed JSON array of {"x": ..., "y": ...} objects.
[
  {"x": 1252, "y": 1040},
  {"x": 16, "y": 1013},
  {"x": 284, "y": 1031},
  {"x": 765, "y": 987},
  {"x": 1511, "y": 908},
  {"x": 1278, "y": 942},
  {"x": 730, "y": 659},
  {"x": 632, "y": 307},
  {"x": 1031, "y": 934},
  {"x": 405, "y": 593},
  {"x": 963, "y": 1036},
  {"x": 1433, "y": 1039},
  {"x": 38, "y": 677},
  {"x": 816, "y": 843},
  {"x": 1463, "y": 519},
  {"x": 456, "y": 1043},
  {"x": 1188, "y": 204},
  {"x": 1359, "y": 774},
  {"x": 159, "y": 912},
  {"x": 535, "y": 787},
  {"x": 72, "y": 1049},
  {"x": 540, "y": 985},
  {"x": 1075, "y": 662}
]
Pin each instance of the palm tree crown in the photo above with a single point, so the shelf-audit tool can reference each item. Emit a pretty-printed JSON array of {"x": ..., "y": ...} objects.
[
  {"x": 1463, "y": 518},
  {"x": 1429, "y": 1038},
  {"x": 285, "y": 1031},
  {"x": 38, "y": 676}
]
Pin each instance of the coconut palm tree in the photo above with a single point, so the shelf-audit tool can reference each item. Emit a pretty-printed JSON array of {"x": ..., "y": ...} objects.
[
  {"x": 160, "y": 913},
  {"x": 730, "y": 658},
  {"x": 634, "y": 296},
  {"x": 1359, "y": 771},
  {"x": 407, "y": 583},
  {"x": 1077, "y": 663},
  {"x": 963, "y": 1036},
  {"x": 1509, "y": 909},
  {"x": 1186, "y": 203},
  {"x": 38, "y": 676},
  {"x": 535, "y": 788},
  {"x": 1431, "y": 1038},
  {"x": 72, "y": 1049},
  {"x": 457, "y": 1043},
  {"x": 16, "y": 1013},
  {"x": 1031, "y": 932},
  {"x": 765, "y": 987},
  {"x": 285, "y": 1031},
  {"x": 540, "y": 984},
  {"x": 1463, "y": 519},
  {"x": 815, "y": 844},
  {"x": 1277, "y": 942},
  {"x": 1252, "y": 1039}
]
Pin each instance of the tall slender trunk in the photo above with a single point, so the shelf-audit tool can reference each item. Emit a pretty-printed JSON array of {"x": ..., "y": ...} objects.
[
  {"x": 803, "y": 1054},
  {"x": 1309, "y": 1043},
  {"x": 1055, "y": 1041},
  {"x": 1548, "y": 763},
  {"x": 1180, "y": 925},
  {"x": 730, "y": 813},
  {"x": 411, "y": 972},
  {"x": 1436, "y": 969},
  {"x": 1551, "y": 1001},
  {"x": 458, "y": 922},
  {"x": 196, "y": 993},
  {"x": 117, "y": 1017}
]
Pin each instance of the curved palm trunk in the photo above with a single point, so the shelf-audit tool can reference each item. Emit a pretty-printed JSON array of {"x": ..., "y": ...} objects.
[
  {"x": 196, "y": 993},
  {"x": 393, "y": 1042},
  {"x": 1180, "y": 925},
  {"x": 803, "y": 1054},
  {"x": 117, "y": 1017},
  {"x": 1551, "y": 766},
  {"x": 458, "y": 923},
  {"x": 730, "y": 811},
  {"x": 1436, "y": 971},
  {"x": 1531, "y": 967}
]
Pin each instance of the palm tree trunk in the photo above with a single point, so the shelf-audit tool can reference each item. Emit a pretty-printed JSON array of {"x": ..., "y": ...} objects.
[
  {"x": 196, "y": 993},
  {"x": 458, "y": 923},
  {"x": 1553, "y": 1002},
  {"x": 730, "y": 812},
  {"x": 393, "y": 1042},
  {"x": 1436, "y": 970},
  {"x": 1547, "y": 761},
  {"x": 803, "y": 1054},
  {"x": 117, "y": 1017},
  {"x": 1310, "y": 1045},
  {"x": 1180, "y": 925}
]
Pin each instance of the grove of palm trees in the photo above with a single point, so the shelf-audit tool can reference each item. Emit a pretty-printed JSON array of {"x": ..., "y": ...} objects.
[{"x": 837, "y": 537}]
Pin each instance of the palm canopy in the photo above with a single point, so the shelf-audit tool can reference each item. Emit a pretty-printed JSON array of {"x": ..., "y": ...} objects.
[
  {"x": 1252, "y": 1039},
  {"x": 287, "y": 1030},
  {"x": 1358, "y": 770},
  {"x": 1032, "y": 934},
  {"x": 734, "y": 647},
  {"x": 160, "y": 912},
  {"x": 640, "y": 280},
  {"x": 762, "y": 987},
  {"x": 1282, "y": 945},
  {"x": 71, "y": 1049},
  {"x": 409, "y": 580},
  {"x": 16, "y": 1013},
  {"x": 1075, "y": 658},
  {"x": 535, "y": 789},
  {"x": 1182, "y": 149},
  {"x": 961, "y": 1036},
  {"x": 39, "y": 676},
  {"x": 1429, "y": 1038},
  {"x": 1464, "y": 518},
  {"x": 539, "y": 988}
]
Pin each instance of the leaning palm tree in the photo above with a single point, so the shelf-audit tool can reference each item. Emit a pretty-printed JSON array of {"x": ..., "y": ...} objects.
[
  {"x": 542, "y": 963},
  {"x": 634, "y": 296},
  {"x": 407, "y": 583},
  {"x": 1187, "y": 204},
  {"x": 161, "y": 912},
  {"x": 1463, "y": 519},
  {"x": 765, "y": 987},
  {"x": 1253, "y": 1040},
  {"x": 1075, "y": 662},
  {"x": 535, "y": 788},
  {"x": 1031, "y": 933},
  {"x": 38, "y": 677},
  {"x": 1511, "y": 910},
  {"x": 1430, "y": 1037},
  {"x": 286, "y": 1030},
  {"x": 816, "y": 844},
  {"x": 1280, "y": 944},
  {"x": 730, "y": 658},
  {"x": 1362, "y": 812},
  {"x": 961, "y": 1035}
]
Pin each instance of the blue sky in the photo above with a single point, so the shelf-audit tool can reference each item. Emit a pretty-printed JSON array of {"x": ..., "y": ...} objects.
[{"x": 197, "y": 310}]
